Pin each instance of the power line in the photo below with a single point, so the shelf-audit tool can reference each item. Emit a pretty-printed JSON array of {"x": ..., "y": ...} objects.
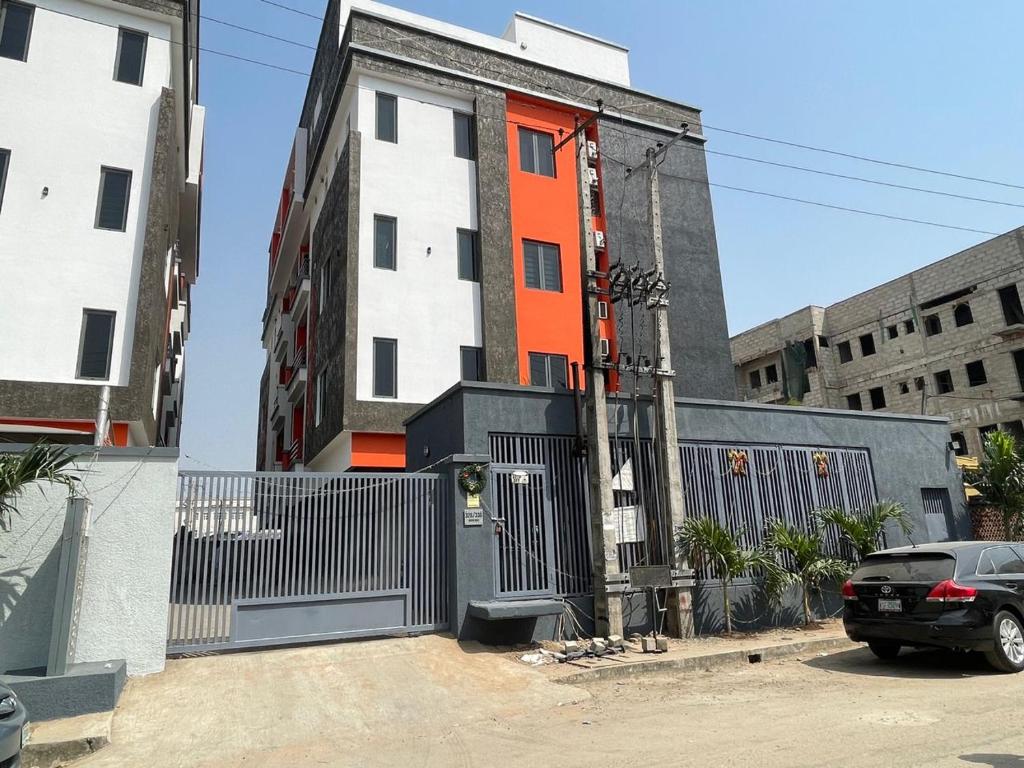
[
  {"x": 254, "y": 31},
  {"x": 293, "y": 10}
]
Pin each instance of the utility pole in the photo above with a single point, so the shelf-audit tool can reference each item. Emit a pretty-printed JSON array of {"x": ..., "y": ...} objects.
[
  {"x": 670, "y": 493},
  {"x": 604, "y": 548}
]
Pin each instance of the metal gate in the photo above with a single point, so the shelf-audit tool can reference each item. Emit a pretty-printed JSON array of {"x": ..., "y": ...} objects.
[
  {"x": 265, "y": 558},
  {"x": 524, "y": 553},
  {"x": 938, "y": 514}
]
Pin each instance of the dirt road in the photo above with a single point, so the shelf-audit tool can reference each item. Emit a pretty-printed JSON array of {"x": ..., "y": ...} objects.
[{"x": 426, "y": 702}]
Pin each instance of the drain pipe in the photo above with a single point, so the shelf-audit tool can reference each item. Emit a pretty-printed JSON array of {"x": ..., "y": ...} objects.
[
  {"x": 577, "y": 405},
  {"x": 102, "y": 417}
]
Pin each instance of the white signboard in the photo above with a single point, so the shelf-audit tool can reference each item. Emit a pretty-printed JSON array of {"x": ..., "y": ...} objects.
[
  {"x": 473, "y": 517},
  {"x": 628, "y": 524}
]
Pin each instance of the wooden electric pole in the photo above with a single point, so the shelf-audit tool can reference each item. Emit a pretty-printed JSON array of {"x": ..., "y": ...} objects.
[{"x": 604, "y": 548}]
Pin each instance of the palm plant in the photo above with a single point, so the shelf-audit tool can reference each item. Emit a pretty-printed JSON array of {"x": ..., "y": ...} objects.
[
  {"x": 798, "y": 558},
  {"x": 705, "y": 542},
  {"x": 864, "y": 529},
  {"x": 1000, "y": 478},
  {"x": 40, "y": 463}
]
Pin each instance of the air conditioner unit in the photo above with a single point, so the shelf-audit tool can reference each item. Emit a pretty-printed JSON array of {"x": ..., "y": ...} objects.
[
  {"x": 592, "y": 175},
  {"x": 598, "y": 239},
  {"x": 606, "y": 348},
  {"x": 592, "y": 150},
  {"x": 602, "y": 310}
]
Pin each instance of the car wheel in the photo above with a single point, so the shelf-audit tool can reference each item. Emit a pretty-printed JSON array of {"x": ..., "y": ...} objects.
[
  {"x": 885, "y": 650},
  {"x": 1007, "y": 654}
]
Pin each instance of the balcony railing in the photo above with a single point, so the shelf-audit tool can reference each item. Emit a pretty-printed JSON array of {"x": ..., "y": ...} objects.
[
  {"x": 300, "y": 358},
  {"x": 295, "y": 452}
]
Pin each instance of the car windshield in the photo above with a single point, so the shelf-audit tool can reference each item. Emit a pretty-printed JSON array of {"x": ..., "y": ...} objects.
[{"x": 932, "y": 568}]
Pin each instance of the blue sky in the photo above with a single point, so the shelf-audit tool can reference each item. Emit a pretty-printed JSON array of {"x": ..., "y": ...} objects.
[{"x": 932, "y": 84}]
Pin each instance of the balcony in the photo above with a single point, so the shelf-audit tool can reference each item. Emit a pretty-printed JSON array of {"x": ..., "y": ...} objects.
[
  {"x": 283, "y": 336},
  {"x": 279, "y": 405},
  {"x": 296, "y": 382},
  {"x": 301, "y": 287}
]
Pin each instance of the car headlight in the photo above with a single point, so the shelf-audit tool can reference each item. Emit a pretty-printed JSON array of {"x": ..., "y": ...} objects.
[{"x": 7, "y": 705}]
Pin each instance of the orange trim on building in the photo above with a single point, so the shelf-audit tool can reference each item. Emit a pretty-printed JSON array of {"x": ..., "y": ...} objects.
[
  {"x": 378, "y": 449},
  {"x": 546, "y": 210},
  {"x": 118, "y": 430}
]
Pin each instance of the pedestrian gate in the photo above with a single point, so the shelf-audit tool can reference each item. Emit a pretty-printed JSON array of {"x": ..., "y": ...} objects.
[
  {"x": 524, "y": 554},
  {"x": 262, "y": 558}
]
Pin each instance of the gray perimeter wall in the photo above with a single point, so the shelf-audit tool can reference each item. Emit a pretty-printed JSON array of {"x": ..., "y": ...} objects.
[{"x": 128, "y": 565}]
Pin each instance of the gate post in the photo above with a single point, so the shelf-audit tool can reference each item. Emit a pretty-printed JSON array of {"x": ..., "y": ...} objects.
[{"x": 74, "y": 546}]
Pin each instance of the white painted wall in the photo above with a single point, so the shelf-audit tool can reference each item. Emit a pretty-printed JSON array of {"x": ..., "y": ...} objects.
[
  {"x": 423, "y": 304},
  {"x": 127, "y": 571},
  {"x": 63, "y": 117}
]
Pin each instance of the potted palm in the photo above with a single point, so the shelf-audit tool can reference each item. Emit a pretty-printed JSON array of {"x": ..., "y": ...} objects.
[
  {"x": 705, "y": 542},
  {"x": 863, "y": 530},
  {"x": 1000, "y": 479},
  {"x": 798, "y": 557}
]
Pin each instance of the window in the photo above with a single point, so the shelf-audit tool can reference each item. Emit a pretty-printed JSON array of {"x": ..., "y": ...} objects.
[
  {"x": 385, "y": 240},
  {"x": 944, "y": 382},
  {"x": 541, "y": 266},
  {"x": 976, "y": 374},
  {"x": 5, "y": 160},
  {"x": 904, "y": 388},
  {"x": 385, "y": 367},
  {"x": 959, "y": 443},
  {"x": 318, "y": 407},
  {"x": 810, "y": 355},
  {"x": 536, "y": 152},
  {"x": 96, "y": 344},
  {"x": 469, "y": 255},
  {"x": 1018, "y": 362},
  {"x": 755, "y": 379},
  {"x": 465, "y": 140},
  {"x": 823, "y": 341},
  {"x": 893, "y": 331},
  {"x": 877, "y": 395},
  {"x": 919, "y": 383},
  {"x": 932, "y": 325},
  {"x": 324, "y": 289},
  {"x": 112, "y": 209},
  {"x": 853, "y": 402},
  {"x": 985, "y": 431},
  {"x": 845, "y": 353},
  {"x": 1013, "y": 312},
  {"x": 867, "y": 344},
  {"x": 131, "y": 56},
  {"x": 387, "y": 118},
  {"x": 962, "y": 315},
  {"x": 549, "y": 370},
  {"x": 1000, "y": 561},
  {"x": 15, "y": 29},
  {"x": 908, "y": 327},
  {"x": 602, "y": 310},
  {"x": 472, "y": 363},
  {"x": 771, "y": 374}
]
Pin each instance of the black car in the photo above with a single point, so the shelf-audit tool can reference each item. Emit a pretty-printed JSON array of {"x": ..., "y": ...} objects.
[{"x": 965, "y": 595}]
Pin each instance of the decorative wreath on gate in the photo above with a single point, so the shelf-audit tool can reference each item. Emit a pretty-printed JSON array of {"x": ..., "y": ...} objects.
[
  {"x": 820, "y": 463},
  {"x": 738, "y": 462},
  {"x": 472, "y": 478}
]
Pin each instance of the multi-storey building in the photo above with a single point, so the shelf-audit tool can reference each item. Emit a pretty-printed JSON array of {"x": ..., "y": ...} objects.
[
  {"x": 429, "y": 232},
  {"x": 101, "y": 143},
  {"x": 946, "y": 339}
]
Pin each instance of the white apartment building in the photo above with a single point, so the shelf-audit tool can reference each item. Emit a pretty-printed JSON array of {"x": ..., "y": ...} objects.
[{"x": 101, "y": 143}]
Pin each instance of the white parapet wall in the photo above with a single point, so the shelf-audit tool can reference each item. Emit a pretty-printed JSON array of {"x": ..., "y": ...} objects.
[{"x": 126, "y": 580}]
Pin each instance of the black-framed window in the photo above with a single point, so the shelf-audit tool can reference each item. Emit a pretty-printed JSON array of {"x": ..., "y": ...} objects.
[
  {"x": 959, "y": 443},
  {"x": 387, "y": 118},
  {"x": 549, "y": 370},
  {"x": 96, "y": 344},
  {"x": 810, "y": 354},
  {"x": 318, "y": 398},
  {"x": 15, "y": 29},
  {"x": 1009, "y": 298},
  {"x": 919, "y": 383},
  {"x": 469, "y": 255},
  {"x": 115, "y": 191},
  {"x": 932, "y": 325},
  {"x": 771, "y": 374},
  {"x": 904, "y": 387},
  {"x": 893, "y": 331},
  {"x": 845, "y": 353},
  {"x": 877, "y": 395},
  {"x": 944, "y": 382},
  {"x": 976, "y": 375},
  {"x": 867, "y": 344},
  {"x": 465, "y": 135},
  {"x": 823, "y": 342},
  {"x": 5, "y": 162},
  {"x": 385, "y": 367},
  {"x": 962, "y": 315},
  {"x": 853, "y": 402},
  {"x": 385, "y": 242},
  {"x": 908, "y": 327},
  {"x": 323, "y": 290},
  {"x": 472, "y": 363},
  {"x": 130, "y": 64},
  {"x": 755, "y": 379},
  {"x": 542, "y": 266},
  {"x": 536, "y": 152}
]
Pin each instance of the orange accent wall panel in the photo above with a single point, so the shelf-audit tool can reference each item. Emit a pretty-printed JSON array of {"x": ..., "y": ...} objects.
[
  {"x": 378, "y": 449},
  {"x": 118, "y": 430},
  {"x": 545, "y": 210}
]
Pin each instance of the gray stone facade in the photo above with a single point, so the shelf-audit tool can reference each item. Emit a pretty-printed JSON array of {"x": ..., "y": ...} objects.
[{"x": 925, "y": 328}]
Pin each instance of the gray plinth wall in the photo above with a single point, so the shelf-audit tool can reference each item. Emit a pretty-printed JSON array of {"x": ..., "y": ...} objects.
[{"x": 907, "y": 454}]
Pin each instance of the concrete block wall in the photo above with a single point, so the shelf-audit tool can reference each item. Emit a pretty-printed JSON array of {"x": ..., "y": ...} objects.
[{"x": 127, "y": 575}]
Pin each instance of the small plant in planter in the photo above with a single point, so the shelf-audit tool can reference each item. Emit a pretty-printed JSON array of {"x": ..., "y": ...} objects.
[
  {"x": 798, "y": 558},
  {"x": 863, "y": 530}
]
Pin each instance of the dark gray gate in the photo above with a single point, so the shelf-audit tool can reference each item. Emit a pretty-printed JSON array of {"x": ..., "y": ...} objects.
[
  {"x": 524, "y": 554},
  {"x": 938, "y": 513},
  {"x": 264, "y": 558}
]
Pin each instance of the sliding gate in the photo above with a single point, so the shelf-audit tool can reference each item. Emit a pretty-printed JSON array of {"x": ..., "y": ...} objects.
[{"x": 264, "y": 558}]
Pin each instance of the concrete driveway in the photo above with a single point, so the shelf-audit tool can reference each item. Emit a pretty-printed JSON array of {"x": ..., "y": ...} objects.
[{"x": 427, "y": 702}]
